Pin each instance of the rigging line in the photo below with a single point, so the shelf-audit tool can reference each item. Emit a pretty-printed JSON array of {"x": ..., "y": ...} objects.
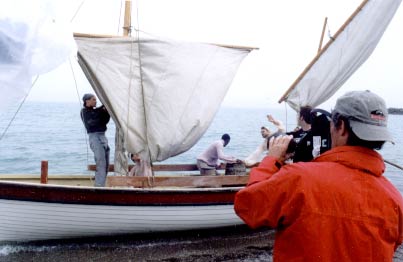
[
  {"x": 286, "y": 116},
  {"x": 126, "y": 131},
  {"x": 393, "y": 164},
  {"x": 329, "y": 33},
  {"x": 18, "y": 109},
  {"x": 78, "y": 9},
  {"x": 120, "y": 16},
  {"x": 142, "y": 86},
  {"x": 78, "y": 97}
]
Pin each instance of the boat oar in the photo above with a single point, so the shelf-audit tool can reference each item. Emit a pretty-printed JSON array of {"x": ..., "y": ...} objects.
[{"x": 393, "y": 164}]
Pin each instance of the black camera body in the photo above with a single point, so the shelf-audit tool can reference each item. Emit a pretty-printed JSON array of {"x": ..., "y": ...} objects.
[
  {"x": 291, "y": 146},
  {"x": 317, "y": 138}
]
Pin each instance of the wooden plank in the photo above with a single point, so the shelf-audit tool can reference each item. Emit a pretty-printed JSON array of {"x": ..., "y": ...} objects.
[
  {"x": 172, "y": 167},
  {"x": 177, "y": 181}
]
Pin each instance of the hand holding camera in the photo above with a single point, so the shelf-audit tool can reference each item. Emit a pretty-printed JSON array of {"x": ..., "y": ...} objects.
[{"x": 280, "y": 147}]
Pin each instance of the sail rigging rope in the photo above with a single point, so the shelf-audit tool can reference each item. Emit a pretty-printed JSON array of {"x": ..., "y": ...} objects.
[
  {"x": 393, "y": 164},
  {"x": 128, "y": 98},
  {"x": 141, "y": 83},
  {"x": 329, "y": 33},
  {"x": 18, "y": 109},
  {"x": 78, "y": 9},
  {"x": 79, "y": 103},
  {"x": 120, "y": 16},
  {"x": 286, "y": 117}
]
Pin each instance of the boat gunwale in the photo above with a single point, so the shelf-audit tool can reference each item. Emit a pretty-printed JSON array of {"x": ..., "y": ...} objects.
[{"x": 84, "y": 195}]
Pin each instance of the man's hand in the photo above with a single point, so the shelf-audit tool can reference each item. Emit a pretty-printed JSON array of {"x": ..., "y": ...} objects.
[
  {"x": 278, "y": 147},
  {"x": 271, "y": 119}
]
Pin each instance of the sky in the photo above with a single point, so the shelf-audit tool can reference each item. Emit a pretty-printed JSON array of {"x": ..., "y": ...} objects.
[{"x": 287, "y": 33}]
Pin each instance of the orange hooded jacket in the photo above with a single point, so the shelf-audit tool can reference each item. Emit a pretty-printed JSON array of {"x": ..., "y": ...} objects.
[{"x": 338, "y": 207}]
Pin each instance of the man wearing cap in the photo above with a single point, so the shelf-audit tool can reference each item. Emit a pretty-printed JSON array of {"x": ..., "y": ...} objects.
[
  {"x": 338, "y": 207},
  {"x": 95, "y": 120},
  {"x": 256, "y": 156}
]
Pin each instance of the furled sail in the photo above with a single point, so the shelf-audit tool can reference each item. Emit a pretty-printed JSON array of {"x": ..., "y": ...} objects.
[
  {"x": 163, "y": 94},
  {"x": 341, "y": 57}
]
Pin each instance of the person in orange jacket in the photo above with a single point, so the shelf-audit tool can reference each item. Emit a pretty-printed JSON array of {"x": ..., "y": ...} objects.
[{"x": 337, "y": 207}]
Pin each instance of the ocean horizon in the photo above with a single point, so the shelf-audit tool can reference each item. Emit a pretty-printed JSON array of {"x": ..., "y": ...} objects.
[{"x": 54, "y": 132}]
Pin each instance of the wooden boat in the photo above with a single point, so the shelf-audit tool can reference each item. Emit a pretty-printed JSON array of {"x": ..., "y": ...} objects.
[
  {"x": 69, "y": 207},
  {"x": 141, "y": 104}
]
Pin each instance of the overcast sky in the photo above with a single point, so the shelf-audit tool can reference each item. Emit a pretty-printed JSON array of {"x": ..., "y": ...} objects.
[{"x": 287, "y": 33}]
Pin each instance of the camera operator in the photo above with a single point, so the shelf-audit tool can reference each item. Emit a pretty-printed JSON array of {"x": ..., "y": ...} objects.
[
  {"x": 338, "y": 207},
  {"x": 303, "y": 151}
]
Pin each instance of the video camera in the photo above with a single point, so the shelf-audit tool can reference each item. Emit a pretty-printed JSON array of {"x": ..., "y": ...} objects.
[
  {"x": 291, "y": 146},
  {"x": 312, "y": 143}
]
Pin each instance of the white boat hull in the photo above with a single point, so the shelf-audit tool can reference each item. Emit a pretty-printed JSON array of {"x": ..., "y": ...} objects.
[{"x": 28, "y": 221}]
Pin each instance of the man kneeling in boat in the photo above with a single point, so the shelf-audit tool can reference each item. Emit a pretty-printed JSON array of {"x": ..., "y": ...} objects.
[
  {"x": 141, "y": 167},
  {"x": 208, "y": 161},
  {"x": 338, "y": 207}
]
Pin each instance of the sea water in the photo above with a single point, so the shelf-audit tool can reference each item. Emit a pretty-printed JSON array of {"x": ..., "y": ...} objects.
[{"x": 54, "y": 132}]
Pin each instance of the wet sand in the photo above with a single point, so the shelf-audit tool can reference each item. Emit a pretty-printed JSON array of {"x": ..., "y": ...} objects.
[{"x": 229, "y": 244}]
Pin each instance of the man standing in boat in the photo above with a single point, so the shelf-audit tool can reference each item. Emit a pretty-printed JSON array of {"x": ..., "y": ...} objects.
[
  {"x": 208, "y": 161},
  {"x": 338, "y": 207},
  {"x": 95, "y": 120}
]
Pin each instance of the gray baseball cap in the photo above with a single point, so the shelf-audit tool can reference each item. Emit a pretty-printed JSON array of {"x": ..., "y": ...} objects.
[{"x": 367, "y": 114}]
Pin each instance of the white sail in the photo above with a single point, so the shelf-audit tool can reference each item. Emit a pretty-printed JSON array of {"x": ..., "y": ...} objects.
[
  {"x": 340, "y": 58},
  {"x": 163, "y": 94},
  {"x": 32, "y": 42}
]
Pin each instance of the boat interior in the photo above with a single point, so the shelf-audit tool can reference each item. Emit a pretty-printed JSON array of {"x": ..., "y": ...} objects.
[{"x": 170, "y": 176}]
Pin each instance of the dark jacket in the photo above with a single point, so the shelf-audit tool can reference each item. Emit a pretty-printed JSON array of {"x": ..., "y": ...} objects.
[{"x": 95, "y": 119}]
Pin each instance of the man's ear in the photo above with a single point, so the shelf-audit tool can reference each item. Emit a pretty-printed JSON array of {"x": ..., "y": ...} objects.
[{"x": 343, "y": 132}]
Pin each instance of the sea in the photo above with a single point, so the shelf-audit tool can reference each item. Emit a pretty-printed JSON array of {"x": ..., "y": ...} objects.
[{"x": 54, "y": 132}]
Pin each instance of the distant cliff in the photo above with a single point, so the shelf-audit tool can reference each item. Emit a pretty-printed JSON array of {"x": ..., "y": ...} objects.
[{"x": 395, "y": 111}]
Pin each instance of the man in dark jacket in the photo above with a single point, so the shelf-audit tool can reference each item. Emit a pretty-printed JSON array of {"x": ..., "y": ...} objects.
[{"x": 95, "y": 120}]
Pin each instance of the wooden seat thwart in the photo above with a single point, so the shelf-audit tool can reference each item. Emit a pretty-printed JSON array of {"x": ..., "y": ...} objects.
[
  {"x": 177, "y": 181},
  {"x": 174, "y": 181},
  {"x": 183, "y": 167}
]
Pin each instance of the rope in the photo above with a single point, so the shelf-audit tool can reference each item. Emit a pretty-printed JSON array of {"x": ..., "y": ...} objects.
[
  {"x": 141, "y": 82},
  {"x": 79, "y": 103},
  {"x": 120, "y": 16},
  {"x": 393, "y": 164},
  {"x": 18, "y": 109},
  {"x": 78, "y": 9},
  {"x": 328, "y": 32},
  {"x": 286, "y": 116},
  {"x": 126, "y": 131}
]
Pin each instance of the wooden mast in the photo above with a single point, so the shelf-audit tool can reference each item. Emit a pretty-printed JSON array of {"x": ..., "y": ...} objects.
[
  {"x": 284, "y": 97},
  {"x": 323, "y": 34},
  {"x": 127, "y": 27}
]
